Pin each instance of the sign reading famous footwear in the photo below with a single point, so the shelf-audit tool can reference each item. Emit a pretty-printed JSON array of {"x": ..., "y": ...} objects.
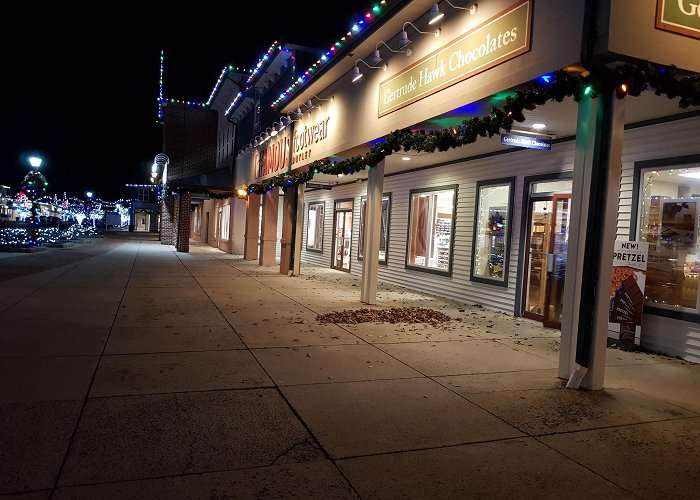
[
  {"x": 272, "y": 157},
  {"x": 503, "y": 37},
  {"x": 679, "y": 16}
]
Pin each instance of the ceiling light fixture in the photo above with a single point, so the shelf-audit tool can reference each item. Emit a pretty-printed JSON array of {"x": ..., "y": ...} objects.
[{"x": 539, "y": 126}]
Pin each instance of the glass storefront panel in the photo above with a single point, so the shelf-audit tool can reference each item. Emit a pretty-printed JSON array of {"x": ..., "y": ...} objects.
[
  {"x": 668, "y": 221},
  {"x": 430, "y": 229},
  {"x": 491, "y": 238},
  {"x": 225, "y": 222},
  {"x": 384, "y": 231},
  {"x": 314, "y": 227}
]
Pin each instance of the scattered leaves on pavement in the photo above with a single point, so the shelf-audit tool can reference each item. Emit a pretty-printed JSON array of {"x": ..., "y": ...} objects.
[{"x": 391, "y": 315}]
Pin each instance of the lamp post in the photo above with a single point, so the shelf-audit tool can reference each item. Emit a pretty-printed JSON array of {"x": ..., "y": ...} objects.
[
  {"x": 88, "y": 206},
  {"x": 33, "y": 185}
]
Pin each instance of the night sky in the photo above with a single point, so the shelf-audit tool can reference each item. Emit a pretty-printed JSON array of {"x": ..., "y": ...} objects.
[{"x": 79, "y": 84}]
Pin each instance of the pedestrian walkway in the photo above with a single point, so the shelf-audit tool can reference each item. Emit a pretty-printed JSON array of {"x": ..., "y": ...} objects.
[{"x": 140, "y": 372}]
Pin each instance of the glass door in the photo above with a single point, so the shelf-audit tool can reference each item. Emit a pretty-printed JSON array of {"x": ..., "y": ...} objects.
[
  {"x": 547, "y": 244},
  {"x": 536, "y": 258},
  {"x": 342, "y": 238}
]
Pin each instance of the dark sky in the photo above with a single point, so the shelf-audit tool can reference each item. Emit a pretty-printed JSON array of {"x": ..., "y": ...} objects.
[{"x": 79, "y": 83}]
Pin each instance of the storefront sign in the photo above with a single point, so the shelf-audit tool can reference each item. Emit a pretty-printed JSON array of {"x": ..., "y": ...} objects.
[
  {"x": 306, "y": 135},
  {"x": 315, "y": 185},
  {"x": 273, "y": 158},
  {"x": 679, "y": 16},
  {"x": 499, "y": 39},
  {"x": 527, "y": 141},
  {"x": 627, "y": 291}
]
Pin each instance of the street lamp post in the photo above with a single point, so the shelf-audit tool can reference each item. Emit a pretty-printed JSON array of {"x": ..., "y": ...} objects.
[
  {"x": 89, "y": 206},
  {"x": 33, "y": 185}
]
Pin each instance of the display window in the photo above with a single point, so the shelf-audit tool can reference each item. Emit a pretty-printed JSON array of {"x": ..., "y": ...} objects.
[
  {"x": 431, "y": 229},
  {"x": 198, "y": 220},
  {"x": 314, "y": 227},
  {"x": 225, "y": 222},
  {"x": 668, "y": 213},
  {"x": 491, "y": 242},
  {"x": 383, "y": 232}
]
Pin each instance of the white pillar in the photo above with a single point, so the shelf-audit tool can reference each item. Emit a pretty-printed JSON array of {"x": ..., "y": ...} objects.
[
  {"x": 373, "y": 224},
  {"x": 268, "y": 236},
  {"x": 252, "y": 223},
  {"x": 298, "y": 231},
  {"x": 592, "y": 233},
  {"x": 288, "y": 214}
]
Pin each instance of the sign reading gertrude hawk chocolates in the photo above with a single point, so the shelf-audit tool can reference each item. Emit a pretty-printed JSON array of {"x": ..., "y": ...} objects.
[
  {"x": 503, "y": 37},
  {"x": 627, "y": 291},
  {"x": 679, "y": 16}
]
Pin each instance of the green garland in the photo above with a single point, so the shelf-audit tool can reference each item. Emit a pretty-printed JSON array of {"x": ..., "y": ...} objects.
[{"x": 626, "y": 78}]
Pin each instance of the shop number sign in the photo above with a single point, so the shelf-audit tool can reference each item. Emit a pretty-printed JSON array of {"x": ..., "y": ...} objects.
[{"x": 627, "y": 291}]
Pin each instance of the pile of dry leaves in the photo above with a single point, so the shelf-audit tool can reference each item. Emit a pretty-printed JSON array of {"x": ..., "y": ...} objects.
[{"x": 392, "y": 315}]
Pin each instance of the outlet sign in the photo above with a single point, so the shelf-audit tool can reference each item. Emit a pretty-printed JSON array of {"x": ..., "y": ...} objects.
[
  {"x": 679, "y": 16},
  {"x": 503, "y": 37}
]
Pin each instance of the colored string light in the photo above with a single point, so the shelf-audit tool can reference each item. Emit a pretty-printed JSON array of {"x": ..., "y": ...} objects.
[
  {"x": 356, "y": 28},
  {"x": 160, "y": 86},
  {"x": 253, "y": 73}
]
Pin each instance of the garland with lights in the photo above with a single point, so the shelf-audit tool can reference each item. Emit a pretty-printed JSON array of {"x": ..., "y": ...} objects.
[{"x": 627, "y": 78}]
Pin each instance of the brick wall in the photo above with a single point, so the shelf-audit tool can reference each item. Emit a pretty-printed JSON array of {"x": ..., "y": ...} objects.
[
  {"x": 189, "y": 140},
  {"x": 184, "y": 212},
  {"x": 167, "y": 221}
]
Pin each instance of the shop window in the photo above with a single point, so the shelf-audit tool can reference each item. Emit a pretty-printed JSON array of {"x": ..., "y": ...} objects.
[
  {"x": 198, "y": 220},
  {"x": 314, "y": 228},
  {"x": 669, "y": 207},
  {"x": 430, "y": 229},
  {"x": 492, "y": 220},
  {"x": 225, "y": 222},
  {"x": 383, "y": 232}
]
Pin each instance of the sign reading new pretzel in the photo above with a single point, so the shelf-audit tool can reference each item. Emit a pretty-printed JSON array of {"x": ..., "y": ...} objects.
[{"x": 503, "y": 37}]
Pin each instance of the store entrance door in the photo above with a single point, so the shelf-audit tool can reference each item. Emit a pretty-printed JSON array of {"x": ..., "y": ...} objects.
[
  {"x": 545, "y": 273},
  {"x": 342, "y": 238}
]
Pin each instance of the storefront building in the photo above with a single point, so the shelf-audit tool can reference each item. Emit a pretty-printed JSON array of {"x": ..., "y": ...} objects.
[{"x": 515, "y": 229}]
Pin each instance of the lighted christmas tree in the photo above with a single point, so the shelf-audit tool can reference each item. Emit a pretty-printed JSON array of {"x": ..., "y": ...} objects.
[{"x": 34, "y": 186}]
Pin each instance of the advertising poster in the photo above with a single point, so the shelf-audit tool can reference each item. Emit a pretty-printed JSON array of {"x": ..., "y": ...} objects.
[{"x": 627, "y": 292}]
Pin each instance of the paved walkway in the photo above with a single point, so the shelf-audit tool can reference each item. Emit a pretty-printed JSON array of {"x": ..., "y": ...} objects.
[{"x": 142, "y": 373}]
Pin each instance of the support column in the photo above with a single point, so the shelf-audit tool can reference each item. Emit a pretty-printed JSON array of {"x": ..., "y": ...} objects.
[
  {"x": 268, "y": 236},
  {"x": 298, "y": 230},
  {"x": 238, "y": 213},
  {"x": 183, "y": 222},
  {"x": 373, "y": 224},
  {"x": 593, "y": 228},
  {"x": 288, "y": 214},
  {"x": 252, "y": 224}
]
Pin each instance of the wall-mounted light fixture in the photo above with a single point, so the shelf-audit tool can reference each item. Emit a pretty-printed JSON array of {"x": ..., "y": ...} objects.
[
  {"x": 357, "y": 74},
  {"x": 436, "y": 15},
  {"x": 377, "y": 58},
  {"x": 309, "y": 104},
  {"x": 404, "y": 40}
]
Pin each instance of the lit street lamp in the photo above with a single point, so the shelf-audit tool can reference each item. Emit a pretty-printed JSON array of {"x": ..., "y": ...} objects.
[
  {"x": 33, "y": 186},
  {"x": 35, "y": 161}
]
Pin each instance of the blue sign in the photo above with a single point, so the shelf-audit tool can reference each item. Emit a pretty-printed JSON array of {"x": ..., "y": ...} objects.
[{"x": 527, "y": 141}]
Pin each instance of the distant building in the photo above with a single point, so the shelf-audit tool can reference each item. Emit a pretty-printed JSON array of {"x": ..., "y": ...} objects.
[{"x": 145, "y": 208}]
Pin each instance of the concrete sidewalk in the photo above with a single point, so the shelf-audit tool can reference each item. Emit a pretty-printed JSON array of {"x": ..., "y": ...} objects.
[{"x": 143, "y": 373}]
